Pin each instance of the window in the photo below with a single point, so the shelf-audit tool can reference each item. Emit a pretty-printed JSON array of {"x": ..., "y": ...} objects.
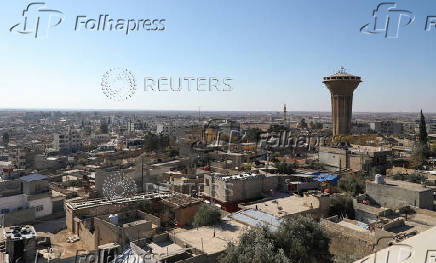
[{"x": 39, "y": 208}]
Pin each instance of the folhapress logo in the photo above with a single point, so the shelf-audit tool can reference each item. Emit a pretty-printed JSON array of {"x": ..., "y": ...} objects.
[
  {"x": 388, "y": 20},
  {"x": 37, "y": 20}
]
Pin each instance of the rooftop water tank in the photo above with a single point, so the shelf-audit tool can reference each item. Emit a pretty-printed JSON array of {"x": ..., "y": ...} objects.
[{"x": 379, "y": 179}]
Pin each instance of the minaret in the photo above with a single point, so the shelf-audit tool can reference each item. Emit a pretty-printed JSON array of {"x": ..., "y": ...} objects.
[
  {"x": 284, "y": 114},
  {"x": 342, "y": 86}
]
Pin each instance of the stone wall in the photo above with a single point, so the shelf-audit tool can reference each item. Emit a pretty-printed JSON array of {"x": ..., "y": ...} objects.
[
  {"x": 347, "y": 243},
  {"x": 350, "y": 245}
]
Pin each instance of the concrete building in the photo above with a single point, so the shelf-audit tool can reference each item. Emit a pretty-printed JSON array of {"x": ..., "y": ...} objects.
[
  {"x": 180, "y": 209},
  {"x": 17, "y": 156},
  {"x": 68, "y": 141},
  {"x": 356, "y": 159},
  {"x": 122, "y": 228},
  {"x": 92, "y": 222},
  {"x": 96, "y": 139},
  {"x": 20, "y": 243},
  {"x": 26, "y": 199},
  {"x": 284, "y": 205},
  {"x": 230, "y": 190},
  {"x": 387, "y": 127},
  {"x": 342, "y": 86},
  {"x": 169, "y": 129},
  {"x": 396, "y": 194},
  {"x": 135, "y": 126},
  {"x": 432, "y": 126}
]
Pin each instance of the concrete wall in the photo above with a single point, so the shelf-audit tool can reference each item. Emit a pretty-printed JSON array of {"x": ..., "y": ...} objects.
[
  {"x": 333, "y": 157},
  {"x": 395, "y": 197},
  {"x": 154, "y": 219},
  {"x": 239, "y": 189},
  {"x": 8, "y": 188},
  {"x": 91, "y": 211},
  {"x": 137, "y": 231},
  {"x": 18, "y": 217},
  {"x": 45, "y": 203},
  {"x": 82, "y": 230},
  {"x": 349, "y": 244},
  {"x": 13, "y": 202},
  {"x": 36, "y": 187},
  {"x": 107, "y": 233},
  {"x": 186, "y": 215}
]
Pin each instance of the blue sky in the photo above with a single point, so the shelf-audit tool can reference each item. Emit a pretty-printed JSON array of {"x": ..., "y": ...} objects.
[{"x": 276, "y": 52}]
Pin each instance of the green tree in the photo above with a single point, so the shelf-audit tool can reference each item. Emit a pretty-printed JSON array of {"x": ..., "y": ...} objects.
[
  {"x": 253, "y": 135},
  {"x": 299, "y": 239},
  {"x": 352, "y": 185},
  {"x": 317, "y": 126},
  {"x": 285, "y": 168},
  {"x": 303, "y": 124},
  {"x": 421, "y": 151},
  {"x": 207, "y": 215},
  {"x": 341, "y": 206},
  {"x": 172, "y": 151},
  {"x": 423, "y": 136}
]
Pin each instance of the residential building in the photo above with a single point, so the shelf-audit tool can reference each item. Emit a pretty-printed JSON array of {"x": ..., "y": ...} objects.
[
  {"x": 396, "y": 194},
  {"x": 387, "y": 127},
  {"x": 25, "y": 199},
  {"x": 69, "y": 141}
]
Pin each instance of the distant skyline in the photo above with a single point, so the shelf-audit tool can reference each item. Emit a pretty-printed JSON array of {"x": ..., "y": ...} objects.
[{"x": 276, "y": 53}]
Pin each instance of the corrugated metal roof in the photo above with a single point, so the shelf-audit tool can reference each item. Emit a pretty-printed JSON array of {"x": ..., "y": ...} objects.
[
  {"x": 256, "y": 218},
  {"x": 33, "y": 177}
]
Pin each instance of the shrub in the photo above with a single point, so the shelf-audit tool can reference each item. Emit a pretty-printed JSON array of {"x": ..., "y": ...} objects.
[{"x": 207, "y": 215}]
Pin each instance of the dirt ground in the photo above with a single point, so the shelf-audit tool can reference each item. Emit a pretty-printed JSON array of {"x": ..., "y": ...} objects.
[{"x": 60, "y": 245}]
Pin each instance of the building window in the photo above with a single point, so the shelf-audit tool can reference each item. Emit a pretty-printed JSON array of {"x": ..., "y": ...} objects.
[{"x": 39, "y": 208}]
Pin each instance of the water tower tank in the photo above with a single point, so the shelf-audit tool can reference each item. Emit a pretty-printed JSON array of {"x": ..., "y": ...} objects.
[{"x": 379, "y": 179}]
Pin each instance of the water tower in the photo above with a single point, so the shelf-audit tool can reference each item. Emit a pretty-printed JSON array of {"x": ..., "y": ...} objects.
[{"x": 342, "y": 86}]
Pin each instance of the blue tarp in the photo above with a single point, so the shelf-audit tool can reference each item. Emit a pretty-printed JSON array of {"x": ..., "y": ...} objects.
[{"x": 330, "y": 178}]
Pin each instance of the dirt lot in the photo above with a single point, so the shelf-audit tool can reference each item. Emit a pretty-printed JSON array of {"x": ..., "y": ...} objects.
[{"x": 59, "y": 243}]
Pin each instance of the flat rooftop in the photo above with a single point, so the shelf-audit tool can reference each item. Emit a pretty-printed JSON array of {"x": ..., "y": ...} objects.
[
  {"x": 239, "y": 177},
  {"x": 180, "y": 200},
  {"x": 405, "y": 185},
  {"x": 19, "y": 232},
  {"x": 203, "y": 238},
  {"x": 286, "y": 204}
]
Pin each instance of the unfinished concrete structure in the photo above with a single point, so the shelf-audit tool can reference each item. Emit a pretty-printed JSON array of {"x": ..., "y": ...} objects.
[
  {"x": 102, "y": 221},
  {"x": 123, "y": 228},
  {"x": 342, "y": 86}
]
